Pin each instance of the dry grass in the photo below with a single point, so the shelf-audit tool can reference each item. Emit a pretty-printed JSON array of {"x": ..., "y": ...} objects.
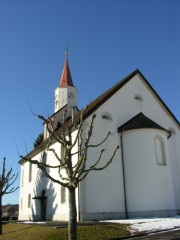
[{"x": 13, "y": 231}]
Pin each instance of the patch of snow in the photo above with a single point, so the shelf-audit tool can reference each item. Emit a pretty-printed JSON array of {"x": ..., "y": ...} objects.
[
  {"x": 150, "y": 224},
  {"x": 31, "y": 222}
]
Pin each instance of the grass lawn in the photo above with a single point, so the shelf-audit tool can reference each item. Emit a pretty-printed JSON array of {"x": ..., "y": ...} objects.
[{"x": 13, "y": 231}]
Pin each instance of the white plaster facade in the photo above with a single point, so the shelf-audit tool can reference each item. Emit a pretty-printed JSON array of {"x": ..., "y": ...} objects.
[{"x": 143, "y": 178}]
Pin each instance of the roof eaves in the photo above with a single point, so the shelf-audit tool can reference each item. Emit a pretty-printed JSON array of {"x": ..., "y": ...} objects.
[
  {"x": 140, "y": 121},
  {"x": 94, "y": 105},
  {"x": 156, "y": 94}
]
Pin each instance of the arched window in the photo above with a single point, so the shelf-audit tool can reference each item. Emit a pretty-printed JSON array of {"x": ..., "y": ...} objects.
[
  {"x": 63, "y": 194},
  {"x": 160, "y": 151},
  {"x": 29, "y": 200},
  {"x": 44, "y": 161},
  {"x": 30, "y": 172}
]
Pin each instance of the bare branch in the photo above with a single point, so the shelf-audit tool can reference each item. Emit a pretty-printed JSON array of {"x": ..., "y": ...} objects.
[
  {"x": 17, "y": 149},
  {"x": 51, "y": 178},
  {"x": 50, "y": 128},
  {"x": 100, "y": 168},
  {"x": 25, "y": 146},
  {"x": 62, "y": 164},
  {"x": 99, "y": 144},
  {"x": 71, "y": 173},
  {"x": 11, "y": 190},
  {"x": 38, "y": 163},
  {"x": 7, "y": 180},
  {"x": 98, "y": 160},
  {"x": 83, "y": 158},
  {"x": 79, "y": 129},
  {"x": 56, "y": 155},
  {"x": 90, "y": 130},
  {"x": 61, "y": 176}
]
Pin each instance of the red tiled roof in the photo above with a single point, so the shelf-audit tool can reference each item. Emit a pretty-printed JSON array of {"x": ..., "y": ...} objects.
[{"x": 7, "y": 208}]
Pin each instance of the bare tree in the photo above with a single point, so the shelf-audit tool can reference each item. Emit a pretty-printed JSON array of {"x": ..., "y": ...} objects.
[
  {"x": 6, "y": 186},
  {"x": 70, "y": 172}
]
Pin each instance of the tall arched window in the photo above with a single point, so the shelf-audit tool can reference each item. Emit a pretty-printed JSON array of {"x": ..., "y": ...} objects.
[
  {"x": 63, "y": 194},
  {"x": 44, "y": 161},
  {"x": 29, "y": 200},
  {"x": 22, "y": 178},
  {"x": 30, "y": 172},
  {"x": 62, "y": 153},
  {"x": 160, "y": 151}
]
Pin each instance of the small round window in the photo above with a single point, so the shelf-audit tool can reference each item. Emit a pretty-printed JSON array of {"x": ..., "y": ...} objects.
[{"x": 138, "y": 97}]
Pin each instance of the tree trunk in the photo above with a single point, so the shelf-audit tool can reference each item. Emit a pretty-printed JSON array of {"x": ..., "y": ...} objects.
[
  {"x": 72, "y": 227},
  {"x": 0, "y": 214}
]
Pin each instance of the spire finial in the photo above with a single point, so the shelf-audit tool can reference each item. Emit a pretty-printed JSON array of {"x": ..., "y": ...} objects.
[
  {"x": 66, "y": 52},
  {"x": 66, "y": 79}
]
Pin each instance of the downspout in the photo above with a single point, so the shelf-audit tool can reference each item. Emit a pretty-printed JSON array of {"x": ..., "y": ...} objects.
[
  {"x": 79, "y": 212},
  {"x": 79, "y": 216},
  {"x": 124, "y": 178}
]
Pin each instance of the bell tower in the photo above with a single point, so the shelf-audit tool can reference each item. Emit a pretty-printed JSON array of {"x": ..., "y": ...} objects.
[{"x": 65, "y": 93}]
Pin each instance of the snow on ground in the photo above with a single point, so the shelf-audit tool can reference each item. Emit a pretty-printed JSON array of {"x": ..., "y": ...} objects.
[
  {"x": 150, "y": 224},
  {"x": 31, "y": 222},
  {"x": 146, "y": 225}
]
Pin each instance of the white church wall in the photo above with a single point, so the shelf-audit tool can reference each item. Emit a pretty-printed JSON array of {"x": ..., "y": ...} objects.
[
  {"x": 174, "y": 149},
  {"x": 26, "y": 191},
  {"x": 149, "y": 184},
  {"x": 97, "y": 200},
  {"x": 102, "y": 194},
  {"x": 148, "y": 103},
  {"x": 21, "y": 199},
  {"x": 55, "y": 210},
  {"x": 154, "y": 109}
]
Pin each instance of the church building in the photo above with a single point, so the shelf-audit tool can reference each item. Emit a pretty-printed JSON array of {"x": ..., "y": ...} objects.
[{"x": 143, "y": 178}]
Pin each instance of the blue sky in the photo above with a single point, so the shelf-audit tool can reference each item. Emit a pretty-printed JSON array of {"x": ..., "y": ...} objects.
[{"x": 107, "y": 39}]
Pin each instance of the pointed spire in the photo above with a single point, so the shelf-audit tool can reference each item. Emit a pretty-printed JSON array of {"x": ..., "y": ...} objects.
[{"x": 66, "y": 79}]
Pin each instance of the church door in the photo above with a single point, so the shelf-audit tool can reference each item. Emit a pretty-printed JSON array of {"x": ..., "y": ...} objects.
[{"x": 43, "y": 205}]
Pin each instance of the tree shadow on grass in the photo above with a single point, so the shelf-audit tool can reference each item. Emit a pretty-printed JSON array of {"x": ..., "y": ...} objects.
[
  {"x": 21, "y": 229},
  {"x": 3, "y": 223}
]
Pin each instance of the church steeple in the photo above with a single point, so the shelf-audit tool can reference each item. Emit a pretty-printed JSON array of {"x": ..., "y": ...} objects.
[
  {"x": 65, "y": 93},
  {"x": 66, "y": 79}
]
